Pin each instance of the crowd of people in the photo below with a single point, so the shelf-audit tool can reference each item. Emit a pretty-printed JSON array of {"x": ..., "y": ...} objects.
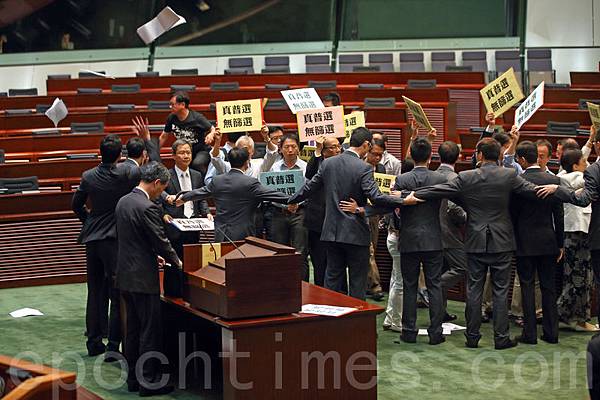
[{"x": 442, "y": 226}]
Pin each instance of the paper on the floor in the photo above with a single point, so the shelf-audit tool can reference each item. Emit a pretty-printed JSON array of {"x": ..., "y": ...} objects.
[
  {"x": 166, "y": 20},
  {"x": 57, "y": 111},
  {"x": 452, "y": 327},
  {"x": 25, "y": 312},
  {"x": 445, "y": 331},
  {"x": 330, "y": 311}
]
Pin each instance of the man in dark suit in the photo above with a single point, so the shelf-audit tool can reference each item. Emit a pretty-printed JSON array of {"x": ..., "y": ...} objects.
[
  {"x": 452, "y": 220},
  {"x": 314, "y": 209},
  {"x": 539, "y": 233},
  {"x": 236, "y": 197},
  {"x": 346, "y": 177},
  {"x": 484, "y": 193},
  {"x": 102, "y": 186},
  {"x": 142, "y": 246},
  {"x": 183, "y": 178},
  {"x": 420, "y": 243}
]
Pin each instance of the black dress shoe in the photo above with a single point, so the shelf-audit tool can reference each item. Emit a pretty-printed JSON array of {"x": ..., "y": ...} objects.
[
  {"x": 437, "y": 340},
  {"x": 549, "y": 340},
  {"x": 449, "y": 317},
  {"x": 523, "y": 339},
  {"x": 423, "y": 297},
  {"x": 408, "y": 338},
  {"x": 509, "y": 344},
  {"x": 144, "y": 392},
  {"x": 472, "y": 344},
  {"x": 377, "y": 296},
  {"x": 520, "y": 322},
  {"x": 94, "y": 351}
]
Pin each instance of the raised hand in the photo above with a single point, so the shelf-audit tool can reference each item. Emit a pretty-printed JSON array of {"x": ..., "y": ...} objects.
[
  {"x": 431, "y": 135},
  {"x": 490, "y": 119},
  {"x": 141, "y": 127}
]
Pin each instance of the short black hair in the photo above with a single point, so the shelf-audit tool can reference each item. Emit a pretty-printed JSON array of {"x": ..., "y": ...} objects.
[
  {"x": 545, "y": 143},
  {"x": 448, "y": 152},
  {"x": 153, "y": 171},
  {"x": 528, "y": 150},
  {"x": 234, "y": 136},
  {"x": 407, "y": 165},
  {"x": 420, "y": 150},
  {"x": 135, "y": 147},
  {"x": 237, "y": 157},
  {"x": 290, "y": 136},
  {"x": 180, "y": 142},
  {"x": 182, "y": 97},
  {"x": 275, "y": 128},
  {"x": 359, "y": 136},
  {"x": 489, "y": 148},
  {"x": 501, "y": 138},
  {"x": 334, "y": 98},
  {"x": 110, "y": 148},
  {"x": 569, "y": 158},
  {"x": 378, "y": 142}
]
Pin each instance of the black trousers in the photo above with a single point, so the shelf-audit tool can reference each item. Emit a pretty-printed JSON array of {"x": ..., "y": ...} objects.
[
  {"x": 593, "y": 367},
  {"x": 545, "y": 267},
  {"x": 101, "y": 261},
  {"x": 181, "y": 238},
  {"x": 289, "y": 229},
  {"x": 356, "y": 258},
  {"x": 432, "y": 269},
  {"x": 596, "y": 268},
  {"x": 143, "y": 337},
  {"x": 499, "y": 265},
  {"x": 318, "y": 255},
  {"x": 455, "y": 261}
]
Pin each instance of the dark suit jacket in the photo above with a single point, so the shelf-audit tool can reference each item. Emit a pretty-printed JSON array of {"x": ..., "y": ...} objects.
[
  {"x": 484, "y": 193},
  {"x": 343, "y": 177},
  {"x": 452, "y": 217},
  {"x": 539, "y": 224},
  {"x": 141, "y": 238},
  {"x": 236, "y": 198},
  {"x": 103, "y": 186},
  {"x": 314, "y": 208},
  {"x": 420, "y": 224},
  {"x": 590, "y": 194}
]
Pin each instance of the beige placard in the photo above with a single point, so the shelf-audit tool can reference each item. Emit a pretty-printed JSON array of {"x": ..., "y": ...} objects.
[
  {"x": 594, "y": 110},
  {"x": 210, "y": 255},
  {"x": 328, "y": 121},
  {"x": 502, "y": 93},
  {"x": 239, "y": 115},
  {"x": 384, "y": 182},
  {"x": 418, "y": 113},
  {"x": 352, "y": 121}
]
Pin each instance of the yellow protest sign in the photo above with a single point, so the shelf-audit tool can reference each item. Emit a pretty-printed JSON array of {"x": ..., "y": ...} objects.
[
  {"x": 384, "y": 182},
  {"x": 307, "y": 152},
  {"x": 328, "y": 121},
  {"x": 352, "y": 121},
  {"x": 502, "y": 93},
  {"x": 594, "y": 110},
  {"x": 418, "y": 113},
  {"x": 239, "y": 115}
]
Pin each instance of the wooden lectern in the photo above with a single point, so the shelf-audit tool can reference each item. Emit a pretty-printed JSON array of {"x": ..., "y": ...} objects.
[{"x": 256, "y": 278}]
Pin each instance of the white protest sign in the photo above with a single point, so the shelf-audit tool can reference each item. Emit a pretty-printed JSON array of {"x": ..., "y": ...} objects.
[
  {"x": 529, "y": 106},
  {"x": 302, "y": 99},
  {"x": 57, "y": 111},
  {"x": 193, "y": 224},
  {"x": 166, "y": 20}
]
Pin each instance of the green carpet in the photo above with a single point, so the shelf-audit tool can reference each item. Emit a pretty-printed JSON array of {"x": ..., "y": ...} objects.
[{"x": 417, "y": 371}]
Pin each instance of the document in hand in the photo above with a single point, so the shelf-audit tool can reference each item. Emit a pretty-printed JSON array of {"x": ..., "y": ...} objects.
[
  {"x": 193, "y": 224},
  {"x": 57, "y": 111},
  {"x": 166, "y": 20}
]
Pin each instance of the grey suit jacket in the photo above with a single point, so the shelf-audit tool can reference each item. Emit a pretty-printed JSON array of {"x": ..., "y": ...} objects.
[
  {"x": 236, "y": 198},
  {"x": 590, "y": 194},
  {"x": 420, "y": 224},
  {"x": 452, "y": 217},
  {"x": 343, "y": 177},
  {"x": 484, "y": 193},
  {"x": 141, "y": 238}
]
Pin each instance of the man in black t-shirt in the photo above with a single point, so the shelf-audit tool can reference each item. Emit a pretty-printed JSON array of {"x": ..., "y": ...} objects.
[{"x": 191, "y": 126}]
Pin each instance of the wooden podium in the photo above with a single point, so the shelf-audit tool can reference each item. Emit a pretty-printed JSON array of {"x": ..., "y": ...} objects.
[{"x": 252, "y": 278}]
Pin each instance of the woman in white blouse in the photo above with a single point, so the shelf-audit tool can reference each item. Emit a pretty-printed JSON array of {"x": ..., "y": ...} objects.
[{"x": 574, "y": 300}]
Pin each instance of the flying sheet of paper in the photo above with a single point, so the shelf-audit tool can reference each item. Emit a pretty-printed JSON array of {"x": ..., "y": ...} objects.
[
  {"x": 100, "y": 74},
  {"x": 57, "y": 111},
  {"x": 330, "y": 311},
  {"x": 166, "y": 20},
  {"x": 25, "y": 312},
  {"x": 445, "y": 332},
  {"x": 453, "y": 327}
]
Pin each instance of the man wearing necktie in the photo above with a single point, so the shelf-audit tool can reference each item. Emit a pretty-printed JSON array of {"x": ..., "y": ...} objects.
[{"x": 184, "y": 179}]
